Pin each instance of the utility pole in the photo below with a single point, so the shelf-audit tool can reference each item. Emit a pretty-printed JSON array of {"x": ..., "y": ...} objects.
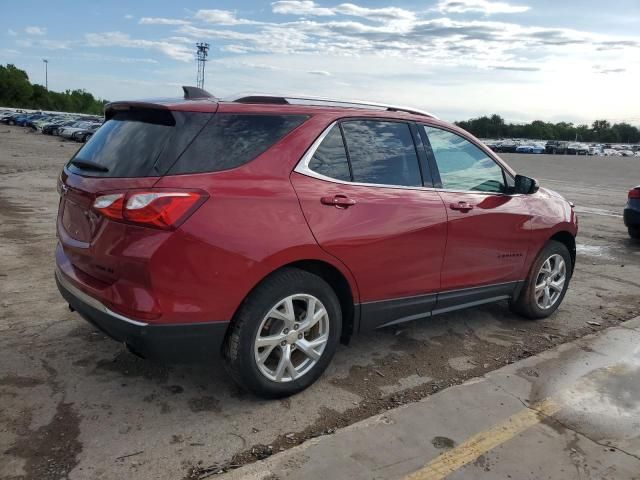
[
  {"x": 46, "y": 74},
  {"x": 201, "y": 57}
]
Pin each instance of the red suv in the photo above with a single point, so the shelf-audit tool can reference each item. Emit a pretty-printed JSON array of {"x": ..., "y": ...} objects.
[{"x": 267, "y": 229}]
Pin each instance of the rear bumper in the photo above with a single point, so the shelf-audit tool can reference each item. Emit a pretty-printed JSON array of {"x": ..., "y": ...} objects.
[{"x": 171, "y": 343}]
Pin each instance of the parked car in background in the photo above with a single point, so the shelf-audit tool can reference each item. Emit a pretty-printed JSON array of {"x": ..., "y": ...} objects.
[
  {"x": 632, "y": 213},
  {"x": 84, "y": 134},
  {"x": 69, "y": 130},
  {"x": 53, "y": 127},
  {"x": 375, "y": 214},
  {"x": 596, "y": 150},
  {"x": 4, "y": 116},
  {"x": 32, "y": 119},
  {"x": 530, "y": 149},
  {"x": 506, "y": 146},
  {"x": 577, "y": 149},
  {"x": 556, "y": 147},
  {"x": 16, "y": 119}
]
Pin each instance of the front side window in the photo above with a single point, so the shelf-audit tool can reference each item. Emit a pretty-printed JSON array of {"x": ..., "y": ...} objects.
[
  {"x": 382, "y": 153},
  {"x": 330, "y": 159},
  {"x": 462, "y": 165}
]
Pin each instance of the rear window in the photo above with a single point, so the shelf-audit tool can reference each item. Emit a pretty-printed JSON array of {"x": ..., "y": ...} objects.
[
  {"x": 330, "y": 159},
  {"x": 230, "y": 140},
  {"x": 382, "y": 153},
  {"x": 138, "y": 143}
]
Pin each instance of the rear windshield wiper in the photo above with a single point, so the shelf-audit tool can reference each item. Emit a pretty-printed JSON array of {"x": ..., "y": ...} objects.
[{"x": 89, "y": 165}]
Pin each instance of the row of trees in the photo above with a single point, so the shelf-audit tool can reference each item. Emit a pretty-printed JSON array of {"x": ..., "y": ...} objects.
[
  {"x": 601, "y": 131},
  {"x": 17, "y": 91}
]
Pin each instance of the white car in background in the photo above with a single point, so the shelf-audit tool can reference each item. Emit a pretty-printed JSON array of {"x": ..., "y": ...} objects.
[{"x": 67, "y": 132}]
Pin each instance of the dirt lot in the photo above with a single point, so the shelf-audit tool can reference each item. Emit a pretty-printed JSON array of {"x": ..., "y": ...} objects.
[{"x": 76, "y": 404}]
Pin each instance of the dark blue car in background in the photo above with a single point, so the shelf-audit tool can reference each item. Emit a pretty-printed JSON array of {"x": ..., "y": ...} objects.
[{"x": 632, "y": 213}]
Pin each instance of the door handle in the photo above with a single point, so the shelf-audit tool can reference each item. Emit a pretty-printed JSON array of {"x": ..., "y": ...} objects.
[
  {"x": 339, "y": 201},
  {"x": 462, "y": 206}
]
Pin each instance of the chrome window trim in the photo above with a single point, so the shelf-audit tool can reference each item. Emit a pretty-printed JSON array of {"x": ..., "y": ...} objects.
[
  {"x": 93, "y": 302},
  {"x": 303, "y": 168}
]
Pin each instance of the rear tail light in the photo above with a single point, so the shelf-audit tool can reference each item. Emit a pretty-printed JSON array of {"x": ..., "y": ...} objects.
[
  {"x": 634, "y": 193},
  {"x": 158, "y": 209}
]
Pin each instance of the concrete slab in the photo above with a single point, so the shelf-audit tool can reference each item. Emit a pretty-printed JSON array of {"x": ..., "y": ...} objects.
[{"x": 570, "y": 412}]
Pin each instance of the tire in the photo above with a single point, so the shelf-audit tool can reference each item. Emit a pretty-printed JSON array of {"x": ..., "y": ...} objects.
[
  {"x": 532, "y": 306},
  {"x": 634, "y": 232},
  {"x": 254, "y": 317}
]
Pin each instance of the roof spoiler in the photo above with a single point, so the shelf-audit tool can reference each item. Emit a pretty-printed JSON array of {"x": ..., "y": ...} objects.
[{"x": 193, "y": 93}]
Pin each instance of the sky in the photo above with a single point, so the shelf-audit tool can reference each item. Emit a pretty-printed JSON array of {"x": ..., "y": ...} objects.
[{"x": 554, "y": 60}]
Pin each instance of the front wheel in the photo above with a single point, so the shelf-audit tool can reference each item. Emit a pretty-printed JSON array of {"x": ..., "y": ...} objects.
[
  {"x": 547, "y": 284},
  {"x": 284, "y": 335},
  {"x": 634, "y": 232}
]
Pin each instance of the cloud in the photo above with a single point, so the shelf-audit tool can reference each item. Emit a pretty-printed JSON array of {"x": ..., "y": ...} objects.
[
  {"x": 35, "y": 31},
  {"x": 515, "y": 68},
  {"x": 260, "y": 66},
  {"x": 300, "y": 7},
  {"x": 128, "y": 16},
  {"x": 617, "y": 44},
  {"x": 379, "y": 14},
  {"x": 119, "y": 39},
  {"x": 162, "y": 21},
  {"x": 12, "y": 33},
  {"x": 606, "y": 71},
  {"x": 310, "y": 8},
  {"x": 322, "y": 73},
  {"x": 47, "y": 44},
  {"x": 484, "y": 7},
  {"x": 221, "y": 17}
]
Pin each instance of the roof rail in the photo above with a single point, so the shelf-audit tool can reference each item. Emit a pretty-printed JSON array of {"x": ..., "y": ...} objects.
[
  {"x": 193, "y": 93},
  {"x": 304, "y": 100}
]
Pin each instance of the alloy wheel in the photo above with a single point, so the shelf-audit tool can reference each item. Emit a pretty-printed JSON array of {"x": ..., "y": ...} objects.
[
  {"x": 291, "y": 338},
  {"x": 550, "y": 281}
]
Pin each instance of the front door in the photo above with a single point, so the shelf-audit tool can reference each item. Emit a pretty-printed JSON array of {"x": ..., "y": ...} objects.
[
  {"x": 366, "y": 205},
  {"x": 488, "y": 227}
]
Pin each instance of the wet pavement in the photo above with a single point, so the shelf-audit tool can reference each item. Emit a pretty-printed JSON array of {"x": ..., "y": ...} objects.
[
  {"x": 76, "y": 404},
  {"x": 572, "y": 412}
]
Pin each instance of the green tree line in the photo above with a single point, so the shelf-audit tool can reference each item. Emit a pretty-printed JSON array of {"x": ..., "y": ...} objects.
[
  {"x": 17, "y": 91},
  {"x": 601, "y": 131}
]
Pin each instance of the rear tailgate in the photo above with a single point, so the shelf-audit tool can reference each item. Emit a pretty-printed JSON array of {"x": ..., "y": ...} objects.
[{"x": 137, "y": 144}]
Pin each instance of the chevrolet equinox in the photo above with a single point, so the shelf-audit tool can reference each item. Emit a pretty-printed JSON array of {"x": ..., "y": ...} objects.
[{"x": 267, "y": 229}]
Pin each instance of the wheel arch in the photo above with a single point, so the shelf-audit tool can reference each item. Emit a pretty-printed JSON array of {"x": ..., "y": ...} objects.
[
  {"x": 341, "y": 282},
  {"x": 569, "y": 241}
]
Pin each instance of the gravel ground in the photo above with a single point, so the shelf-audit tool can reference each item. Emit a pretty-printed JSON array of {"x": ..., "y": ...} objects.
[{"x": 76, "y": 404}]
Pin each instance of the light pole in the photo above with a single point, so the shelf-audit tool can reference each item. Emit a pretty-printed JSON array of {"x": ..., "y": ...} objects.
[{"x": 46, "y": 74}]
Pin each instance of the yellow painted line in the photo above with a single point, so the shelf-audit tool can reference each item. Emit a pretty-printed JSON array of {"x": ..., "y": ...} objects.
[{"x": 482, "y": 442}]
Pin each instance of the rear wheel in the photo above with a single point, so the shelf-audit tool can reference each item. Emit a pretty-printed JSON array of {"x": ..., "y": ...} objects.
[
  {"x": 284, "y": 334},
  {"x": 634, "y": 232},
  {"x": 547, "y": 284}
]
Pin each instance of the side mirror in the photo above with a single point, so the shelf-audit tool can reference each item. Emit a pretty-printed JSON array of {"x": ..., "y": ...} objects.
[{"x": 526, "y": 185}]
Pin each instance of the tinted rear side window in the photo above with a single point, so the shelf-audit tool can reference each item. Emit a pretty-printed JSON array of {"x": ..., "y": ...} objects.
[
  {"x": 139, "y": 143},
  {"x": 330, "y": 159},
  {"x": 231, "y": 140},
  {"x": 382, "y": 153}
]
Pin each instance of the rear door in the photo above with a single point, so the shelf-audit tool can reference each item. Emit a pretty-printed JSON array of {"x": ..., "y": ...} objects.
[
  {"x": 361, "y": 190},
  {"x": 488, "y": 227}
]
